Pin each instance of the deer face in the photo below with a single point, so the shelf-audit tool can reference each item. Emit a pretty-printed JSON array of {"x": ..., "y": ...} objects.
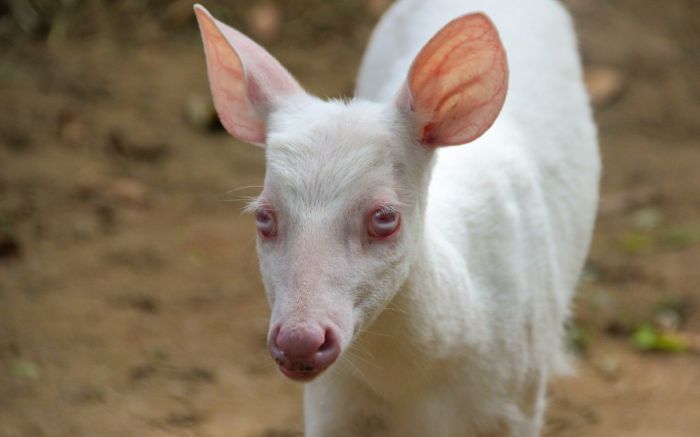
[{"x": 340, "y": 217}]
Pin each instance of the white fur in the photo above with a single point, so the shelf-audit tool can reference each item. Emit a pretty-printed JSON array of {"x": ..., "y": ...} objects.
[{"x": 455, "y": 328}]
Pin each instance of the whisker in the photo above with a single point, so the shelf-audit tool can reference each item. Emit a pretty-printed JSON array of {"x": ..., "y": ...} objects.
[
  {"x": 358, "y": 372},
  {"x": 354, "y": 354},
  {"x": 395, "y": 308},
  {"x": 243, "y": 188},
  {"x": 377, "y": 334}
]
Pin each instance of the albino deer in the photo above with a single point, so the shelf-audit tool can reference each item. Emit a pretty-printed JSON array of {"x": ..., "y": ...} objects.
[{"x": 421, "y": 290}]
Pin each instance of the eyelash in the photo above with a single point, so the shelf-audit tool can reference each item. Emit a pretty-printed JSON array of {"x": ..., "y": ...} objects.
[{"x": 383, "y": 222}]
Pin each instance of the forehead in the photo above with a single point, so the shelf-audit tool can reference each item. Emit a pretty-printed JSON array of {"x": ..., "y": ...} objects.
[{"x": 321, "y": 153}]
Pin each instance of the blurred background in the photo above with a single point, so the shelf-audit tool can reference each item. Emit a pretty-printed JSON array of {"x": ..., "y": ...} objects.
[{"x": 130, "y": 300}]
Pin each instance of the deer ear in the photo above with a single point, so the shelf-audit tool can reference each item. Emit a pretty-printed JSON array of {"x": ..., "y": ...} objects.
[
  {"x": 246, "y": 81},
  {"x": 457, "y": 84}
]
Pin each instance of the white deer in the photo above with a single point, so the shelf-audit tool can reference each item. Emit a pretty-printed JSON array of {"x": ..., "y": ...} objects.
[{"x": 421, "y": 290}]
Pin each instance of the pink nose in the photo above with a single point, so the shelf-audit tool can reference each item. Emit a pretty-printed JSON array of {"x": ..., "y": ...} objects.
[{"x": 303, "y": 352}]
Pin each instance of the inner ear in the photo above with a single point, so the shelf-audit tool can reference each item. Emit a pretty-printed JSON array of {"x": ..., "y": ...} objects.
[
  {"x": 246, "y": 81},
  {"x": 457, "y": 84}
]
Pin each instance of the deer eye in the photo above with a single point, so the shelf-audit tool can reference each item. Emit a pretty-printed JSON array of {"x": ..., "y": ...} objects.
[
  {"x": 266, "y": 223},
  {"x": 383, "y": 222}
]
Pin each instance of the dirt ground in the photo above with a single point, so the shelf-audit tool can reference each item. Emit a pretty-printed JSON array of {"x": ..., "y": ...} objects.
[{"x": 130, "y": 300}]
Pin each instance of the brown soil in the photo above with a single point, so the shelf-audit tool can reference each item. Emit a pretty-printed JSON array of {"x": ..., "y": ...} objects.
[{"x": 130, "y": 302}]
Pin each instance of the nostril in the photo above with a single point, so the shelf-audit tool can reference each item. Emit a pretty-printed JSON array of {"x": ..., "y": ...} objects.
[
  {"x": 329, "y": 341},
  {"x": 273, "y": 346},
  {"x": 328, "y": 352}
]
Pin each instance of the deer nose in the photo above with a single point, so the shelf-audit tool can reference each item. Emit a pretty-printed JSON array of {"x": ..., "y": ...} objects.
[{"x": 303, "y": 351}]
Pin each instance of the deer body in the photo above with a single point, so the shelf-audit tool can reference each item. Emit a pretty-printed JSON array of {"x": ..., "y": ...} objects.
[{"x": 445, "y": 317}]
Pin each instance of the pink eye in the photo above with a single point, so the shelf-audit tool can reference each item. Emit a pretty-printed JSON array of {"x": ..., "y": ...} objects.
[
  {"x": 383, "y": 222},
  {"x": 266, "y": 223}
]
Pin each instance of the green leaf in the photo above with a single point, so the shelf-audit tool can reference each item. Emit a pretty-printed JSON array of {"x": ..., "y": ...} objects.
[
  {"x": 671, "y": 342},
  {"x": 681, "y": 236},
  {"x": 23, "y": 369},
  {"x": 647, "y": 338},
  {"x": 644, "y": 338},
  {"x": 634, "y": 243}
]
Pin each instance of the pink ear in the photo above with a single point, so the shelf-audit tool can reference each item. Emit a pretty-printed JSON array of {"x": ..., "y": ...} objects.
[
  {"x": 246, "y": 81},
  {"x": 457, "y": 84}
]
